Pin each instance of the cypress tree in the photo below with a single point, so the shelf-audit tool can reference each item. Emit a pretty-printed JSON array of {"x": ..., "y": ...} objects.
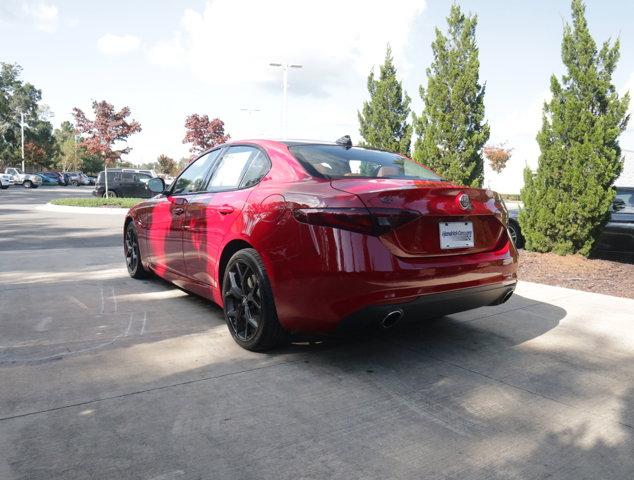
[
  {"x": 383, "y": 119},
  {"x": 451, "y": 130},
  {"x": 567, "y": 201}
]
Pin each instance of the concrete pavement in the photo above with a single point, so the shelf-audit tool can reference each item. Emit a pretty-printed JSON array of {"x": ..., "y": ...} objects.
[{"x": 102, "y": 376}]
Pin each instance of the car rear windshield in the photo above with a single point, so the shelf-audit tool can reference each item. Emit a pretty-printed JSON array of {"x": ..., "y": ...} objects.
[
  {"x": 336, "y": 161},
  {"x": 624, "y": 201}
]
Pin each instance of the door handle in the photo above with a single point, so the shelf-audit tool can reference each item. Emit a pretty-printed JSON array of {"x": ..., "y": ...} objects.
[{"x": 225, "y": 209}]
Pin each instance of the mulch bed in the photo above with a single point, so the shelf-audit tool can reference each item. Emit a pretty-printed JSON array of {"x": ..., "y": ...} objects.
[{"x": 580, "y": 273}]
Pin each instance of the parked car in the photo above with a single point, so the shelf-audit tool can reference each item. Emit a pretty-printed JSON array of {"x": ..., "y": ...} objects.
[
  {"x": 27, "y": 180},
  {"x": 61, "y": 177},
  {"x": 5, "y": 181},
  {"x": 515, "y": 231},
  {"x": 78, "y": 178},
  {"x": 91, "y": 179},
  {"x": 617, "y": 237},
  {"x": 321, "y": 237},
  {"x": 48, "y": 180},
  {"x": 123, "y": 184}
]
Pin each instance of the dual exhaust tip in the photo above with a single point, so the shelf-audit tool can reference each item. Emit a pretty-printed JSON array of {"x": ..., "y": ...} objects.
[{"x": 395, "y": 316}]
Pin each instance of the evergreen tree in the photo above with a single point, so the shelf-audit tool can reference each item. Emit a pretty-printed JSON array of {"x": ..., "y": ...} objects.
[
  {"x": 567, "y": 200},
  {"x": 451, "y": 130},
  {"x": 383, "y": 119}
]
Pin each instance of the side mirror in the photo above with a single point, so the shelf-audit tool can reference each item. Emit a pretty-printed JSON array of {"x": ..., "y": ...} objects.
[{"x": 156, "y": 185}]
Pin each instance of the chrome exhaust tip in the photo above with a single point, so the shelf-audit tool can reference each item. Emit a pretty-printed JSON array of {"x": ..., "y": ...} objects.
[
  {"x": 506, "y": 297},
  {"x": 392, "y": 318}
]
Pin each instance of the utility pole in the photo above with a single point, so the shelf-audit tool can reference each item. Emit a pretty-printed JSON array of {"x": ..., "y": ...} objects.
[
  {"x": 22, "y": 125},
  {"x": 285, "y": 67}
]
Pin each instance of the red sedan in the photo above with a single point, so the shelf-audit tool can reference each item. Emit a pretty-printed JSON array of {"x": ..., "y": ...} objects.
[{"x": 321, "y": 237}]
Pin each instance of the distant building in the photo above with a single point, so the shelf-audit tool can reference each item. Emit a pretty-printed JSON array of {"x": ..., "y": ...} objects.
[{"x": 627, "y": 175}]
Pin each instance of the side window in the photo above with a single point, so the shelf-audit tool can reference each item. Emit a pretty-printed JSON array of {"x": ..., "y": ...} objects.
[
  {"x": 127, "y": 177},
  {"x": 193, "y": 177},
  {"x": 259, "y": 167},
  {"x": 233, "y": 168},
  {"x": 142, "y": 178}
]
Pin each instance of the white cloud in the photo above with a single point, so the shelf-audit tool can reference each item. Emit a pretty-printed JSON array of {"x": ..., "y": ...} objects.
[
  {"x": 335, "y": 41},
  {"x": 168, "y": 53},
  {"x": 43, "y": 16},
  {"x": 113, "y": 45}
]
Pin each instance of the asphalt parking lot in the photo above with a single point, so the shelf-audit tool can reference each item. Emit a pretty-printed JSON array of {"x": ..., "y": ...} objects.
[{"x": 102, "y": 376}]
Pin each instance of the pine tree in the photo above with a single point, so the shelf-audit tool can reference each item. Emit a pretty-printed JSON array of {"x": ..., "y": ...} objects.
[
  {"x": 383, "y": 119},
  {"x": 567, "y": 200},
  {"x": 451, "y": 130}
]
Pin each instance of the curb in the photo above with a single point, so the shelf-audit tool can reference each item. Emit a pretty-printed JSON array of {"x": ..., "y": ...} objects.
[{"x": 49, "y": 207}]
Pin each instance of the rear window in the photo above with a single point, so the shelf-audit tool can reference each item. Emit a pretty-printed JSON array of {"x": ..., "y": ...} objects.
[
  {"x": 335, "y": 161},
  {"x": 624, "y": 201}
]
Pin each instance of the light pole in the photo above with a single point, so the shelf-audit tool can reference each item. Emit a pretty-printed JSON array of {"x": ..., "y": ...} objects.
[
  {"x": 22, "y": 125},
  {"x": 285, "y": 67}
]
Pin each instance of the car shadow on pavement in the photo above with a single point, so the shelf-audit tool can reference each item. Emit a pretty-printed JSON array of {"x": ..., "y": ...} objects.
[{"x": 500, "y": 326}]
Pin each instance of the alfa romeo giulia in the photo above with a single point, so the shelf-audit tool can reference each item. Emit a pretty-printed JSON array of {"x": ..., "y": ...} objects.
[{"x": 311, "y": 237}]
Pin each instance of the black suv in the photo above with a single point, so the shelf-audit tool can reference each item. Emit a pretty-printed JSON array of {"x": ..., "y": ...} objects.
[{"x": 123, "y": 184}]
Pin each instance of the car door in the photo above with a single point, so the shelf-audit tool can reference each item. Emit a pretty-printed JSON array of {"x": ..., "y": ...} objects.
[
  {"x": 211, "y": 215},
  {"x": 165, "y": 221}
]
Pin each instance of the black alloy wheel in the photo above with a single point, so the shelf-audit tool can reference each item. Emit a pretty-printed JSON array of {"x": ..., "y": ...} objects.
[
  {"x": 248, "y": 303},
  {"x": 516, "y": 236},
  {"x": 132, "y": 253}
]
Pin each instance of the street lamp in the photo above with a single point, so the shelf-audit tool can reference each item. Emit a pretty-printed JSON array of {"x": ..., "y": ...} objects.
[
  {"x": 285, "y": 67},
  {"x": 22, "y": 125}
]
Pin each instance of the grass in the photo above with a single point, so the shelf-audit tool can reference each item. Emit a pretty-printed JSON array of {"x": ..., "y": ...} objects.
[{"x": 97, "y": 202}]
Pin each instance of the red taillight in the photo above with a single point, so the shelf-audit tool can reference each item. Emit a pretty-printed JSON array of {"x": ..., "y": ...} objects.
[{"x": 373, "y": 221}]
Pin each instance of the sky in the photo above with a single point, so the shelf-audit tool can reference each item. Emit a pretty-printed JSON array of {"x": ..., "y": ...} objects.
[{"x": 167, "y": 59}]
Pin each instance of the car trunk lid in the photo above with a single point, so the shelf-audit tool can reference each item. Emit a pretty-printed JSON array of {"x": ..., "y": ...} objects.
[{"x": 437, "y": 203}]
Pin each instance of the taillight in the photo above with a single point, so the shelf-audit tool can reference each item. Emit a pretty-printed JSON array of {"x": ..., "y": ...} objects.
[{"x": 373, "y": 221}]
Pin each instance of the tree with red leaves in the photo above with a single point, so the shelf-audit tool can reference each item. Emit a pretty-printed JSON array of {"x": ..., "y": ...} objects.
[
  {"x": 498, "y": 155},
  {"x": 109, "y": 127},
  {"x": 203, "y": 133}
]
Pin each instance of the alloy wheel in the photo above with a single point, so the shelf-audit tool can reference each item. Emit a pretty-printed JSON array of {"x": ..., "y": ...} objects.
[
  {"x": 131, "y": 249},
  {"x": 513, "y": 232},
  {"x": 243, "y": 301}
]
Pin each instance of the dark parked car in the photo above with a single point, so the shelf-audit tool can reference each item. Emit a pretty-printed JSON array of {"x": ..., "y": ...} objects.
[
  {"x": 123, "y": 184},
  {"x": 58, "y": 176},
  {"x": 616, "y": 240},
  {"x": 48, "y": 178}
]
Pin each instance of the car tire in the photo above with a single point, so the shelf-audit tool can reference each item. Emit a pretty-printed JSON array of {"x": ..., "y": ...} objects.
[
  {"x": 111, "y": 193},
  {"x": 249, "y": 307},
  {"x": 27, "y": 184},
  {"x": 4, "y": 187},
  {"x": 516, "y": 234},
  {"x": 133, "y": 254}
]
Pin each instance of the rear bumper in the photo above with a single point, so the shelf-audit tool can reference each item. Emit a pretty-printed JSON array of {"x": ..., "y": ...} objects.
[
  {"x": 429, "y": 306},
  {"x": 352, "y": 276}
]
